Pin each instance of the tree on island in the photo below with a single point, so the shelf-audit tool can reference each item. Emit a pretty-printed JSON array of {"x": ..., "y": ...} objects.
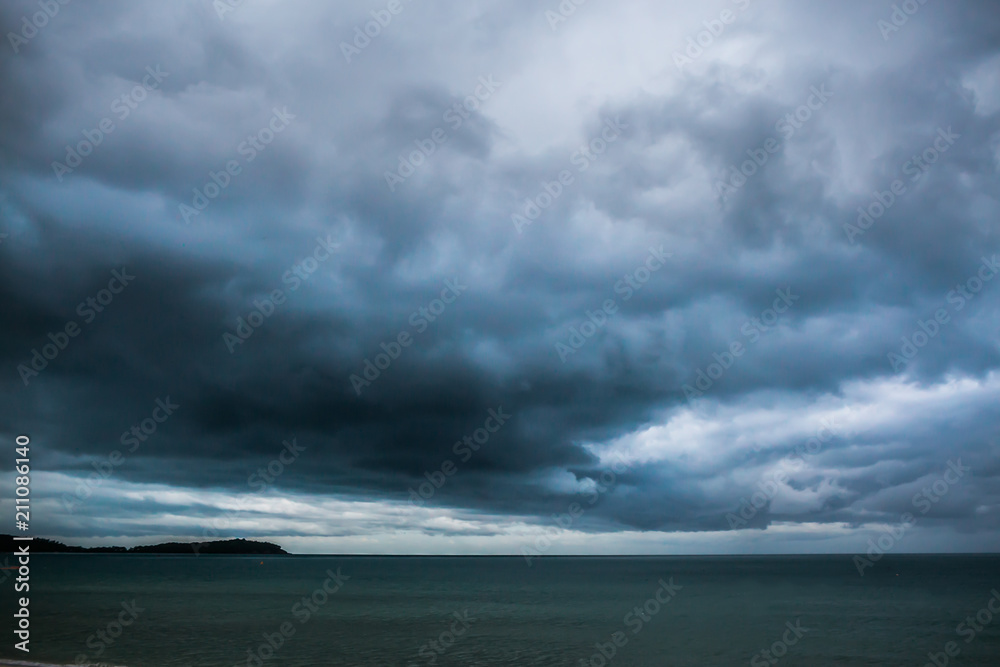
[{"x": 40, "y": 545}]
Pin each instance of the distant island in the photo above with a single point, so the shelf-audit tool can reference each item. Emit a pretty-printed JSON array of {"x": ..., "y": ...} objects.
[{"x": 40, "y": 545}]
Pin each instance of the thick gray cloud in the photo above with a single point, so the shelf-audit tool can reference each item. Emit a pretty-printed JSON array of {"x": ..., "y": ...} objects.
[{"x": 649, "y": 304}]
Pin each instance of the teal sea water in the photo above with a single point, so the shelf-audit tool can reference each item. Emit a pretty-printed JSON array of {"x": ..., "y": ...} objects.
[{"x": 219, "y": 611}]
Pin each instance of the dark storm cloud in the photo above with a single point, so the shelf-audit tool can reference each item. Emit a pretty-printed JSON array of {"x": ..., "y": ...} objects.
[{"x": 320, "y": 182}]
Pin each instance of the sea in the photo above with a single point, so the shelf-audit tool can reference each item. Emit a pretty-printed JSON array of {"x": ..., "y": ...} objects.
[{"x": 292, "y": 611}]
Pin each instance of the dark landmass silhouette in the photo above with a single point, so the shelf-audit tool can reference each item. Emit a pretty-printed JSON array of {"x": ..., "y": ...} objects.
[{"x": 40, "y": 545}]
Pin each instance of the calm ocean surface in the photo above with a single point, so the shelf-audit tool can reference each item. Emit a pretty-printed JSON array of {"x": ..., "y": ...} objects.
[{"x": 215, "y": 611}]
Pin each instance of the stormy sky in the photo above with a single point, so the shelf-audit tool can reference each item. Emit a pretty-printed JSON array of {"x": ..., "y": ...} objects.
[{"x": 481, "y": 277}]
